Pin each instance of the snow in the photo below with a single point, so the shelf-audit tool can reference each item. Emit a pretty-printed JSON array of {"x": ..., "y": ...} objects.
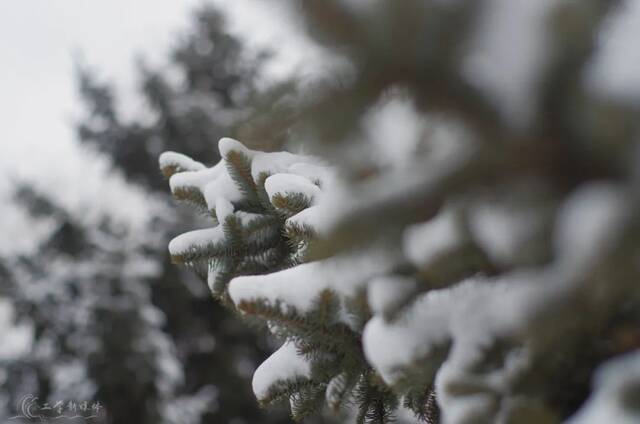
[
  {"x": 476, "y": 406},
  {"x": 394, "y": 118},
  {"x": 587, "y": 224},
  {"x": 500, "y": 230},
  {"x": 180, "y": 161},
  {"x": 508, "y": 52},
  {"x": 420, "y": 329},
  {"x": 313, "y": 172},
  {"x": 100, "y": 196},
  {"x": 335, "y": 390},
  {"x": 198, "y": 179},
  {"x": 170, "y": 372},
  {"x": 212, "y": 275},
  {"x": 398, "y": 186},
  {"x": 189, "y": 409},
  {"x": 425, "y": 243},
  {"x": 468, "y": 316},
  {"x": 284, "y": 364},
  {"x": 270, "y": 163},
  {"x": 285, "y": 184},
  {"x": 215, "y": 183},
  {"x": 490, "y": 390},
  {"x": 20, "y": 234},
  {"x": 309, "y": 217},
  {"x": 298, "y": 287},
  {"x": 615, "y": 380},
  {"x": 221, "y": 187},
  {"x": 197, "y": 238},
  {"x": 70, "y": 379},
  {"x": 227, "y": 145},
  {"x": 15, "y": 339},
  {"x": 387, "y": 292},
  {"x": 615, "y": 69},
  {"x": 224, "y": 208}
]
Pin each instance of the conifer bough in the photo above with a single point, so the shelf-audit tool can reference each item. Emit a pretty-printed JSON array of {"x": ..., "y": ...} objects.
[
  {"x": 378, "y": 328},
  {"x": 489, "y": 275}
]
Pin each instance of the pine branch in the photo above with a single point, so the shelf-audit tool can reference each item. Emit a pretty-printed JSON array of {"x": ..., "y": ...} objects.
[
  {"x": 422, "y": 402},
  {"x": 375, "y": 402},
  {"x": 291, "y": 203},
  {"x": 239, "y": 168},
  {"x": 191, "y": 195}
]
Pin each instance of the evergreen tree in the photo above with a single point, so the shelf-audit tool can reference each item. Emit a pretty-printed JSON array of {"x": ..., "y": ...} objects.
[
  {"x": 217, "y": 77},
  {"x": 97, "y": 337},
  {"x": 472, "y": 253},
  {"x": 208, "y": 89}
]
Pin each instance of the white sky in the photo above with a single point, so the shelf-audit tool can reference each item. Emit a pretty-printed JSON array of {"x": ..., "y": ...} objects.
[{"x": 38, "y": 42}]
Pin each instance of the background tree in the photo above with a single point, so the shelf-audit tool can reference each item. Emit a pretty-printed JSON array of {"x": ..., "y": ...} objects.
[
  {"x": 209, "y": 88},
  {"x": 97, "y": 336}
]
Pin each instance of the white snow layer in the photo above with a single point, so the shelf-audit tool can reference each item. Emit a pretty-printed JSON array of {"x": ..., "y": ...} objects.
[
  {"x": 299, "y": 287},
  {"x": 224, "y": 208},
  {"x": 284, "y": 364},
  {"x": 394, "y": 118},
  {"x": 507, "y": 54},
  {"x": 500, "y": 230},
  {"x": 423, "y": 327},
  {"x": 615, "y": 71},
  {"x": 587, "y": 224},
  {"x": 196, "y": 178},
  {"x": 310, "y": 217},
  {"x": 426, "y": 242},
  {"x": 270, "y": 163},
  {"x": 468, "y": 315},
  {"x": 221, "y": 187},
  {"x": 227, "y": 145},
  {"x": 197, "y": 238},
  {"x": 182, "y": 162},
  {"x": 212, "y": 275},
  {"x": 15, "y": 339},
  {"x": 386, "y": 292},
  {"x": 613, "y": 380},
  {"x": 285, "y": 184},
  {"x": 312, "y": 171},
  {"x": 287, "y": 173}
]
